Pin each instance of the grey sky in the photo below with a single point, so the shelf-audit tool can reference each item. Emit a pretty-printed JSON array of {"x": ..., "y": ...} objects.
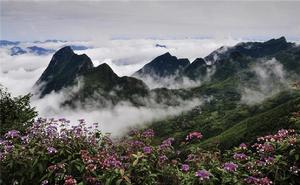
[{"x": 94, "y": 20}]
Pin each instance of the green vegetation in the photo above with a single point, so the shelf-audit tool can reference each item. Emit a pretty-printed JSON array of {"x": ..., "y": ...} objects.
[
  {"x": 226, "y": 123},
  {"x": 50, "y": 152},
  {"x": 15, "y": 112}
]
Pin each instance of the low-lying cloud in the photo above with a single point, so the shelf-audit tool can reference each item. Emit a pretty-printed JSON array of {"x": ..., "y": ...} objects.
[
  {"x": 270, "y": 79},
  {"x": 116, "y": 119},
  {"x": 19, "y": 74}
]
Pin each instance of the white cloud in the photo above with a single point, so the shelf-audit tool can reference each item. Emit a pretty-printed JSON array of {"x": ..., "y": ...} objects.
[
  {"x": 271, "y": 78},
  {"x": 19, "y": 73},
  {"x": 91, "y": 20}
]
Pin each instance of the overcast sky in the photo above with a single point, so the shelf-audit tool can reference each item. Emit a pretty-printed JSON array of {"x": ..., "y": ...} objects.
[{"x": 95, "y": 20}]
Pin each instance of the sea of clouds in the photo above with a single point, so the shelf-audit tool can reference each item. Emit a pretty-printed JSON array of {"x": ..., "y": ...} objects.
[{"x": 20, "y": 72}]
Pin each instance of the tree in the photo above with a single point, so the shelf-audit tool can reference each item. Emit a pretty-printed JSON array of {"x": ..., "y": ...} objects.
[{"x": 15, "y": 112}]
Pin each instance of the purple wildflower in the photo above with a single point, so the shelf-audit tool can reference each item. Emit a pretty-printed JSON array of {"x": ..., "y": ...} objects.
[
  {"x": 243, "y": 146},
  {"x": 192, "y": 135},
  {"x": 268, "y": 160},
  {"x": 45, "y": 182},
  {"x": 191, "y": 157},
  {"x": 51, "y": 150},
  {"x": 230, "y": 166},
  {"x": 240, "y": 156},
  {"x": 51, "y": 130},
  {"x": 136, "y": 143},
  {"x": 78, "y": 131},
  {"x": 251, "y": 180},
  {"x": 265, "y": 181},
  {"x": 111, "y": 162},
  {"x": 162, "y": 158},
  {"x": 8, "y": 148},
  {"x": 12, "y": 134},
  {"x": 69, "y": 180},
  {"x": 91, "y": 167},
  {"x": 148, "y": 133},
  {"x": 185, "y": 167},
  {"x": 167, "y": 143},
  {"x": 25, "y": 139},
  {"x": 147, "y": 149},
  {"x": 294, "y": 169},
  {"x": 203, "y": 175}
]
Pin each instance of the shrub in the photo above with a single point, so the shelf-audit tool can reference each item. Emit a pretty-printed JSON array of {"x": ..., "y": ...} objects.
[{"x": 15, "y": 112}]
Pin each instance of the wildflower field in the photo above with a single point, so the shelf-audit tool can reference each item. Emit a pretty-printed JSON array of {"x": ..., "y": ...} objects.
[{"x": 52, "y": 152}]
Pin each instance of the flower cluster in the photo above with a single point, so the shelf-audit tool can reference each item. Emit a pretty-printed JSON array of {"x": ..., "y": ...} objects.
[
  {"x": 203, "y": 175},
  {"x": 230, "y": 167},
  {"x": 258, "y": 181},
  {"x": 57, "y": 153},
  {"x": 279, "y": 136},
  {"x": 193, "y": 135},
  {"x": 148, "y": 133},
  {"x": 240, "y": 156},
  {"x": 185, "y": 167}
]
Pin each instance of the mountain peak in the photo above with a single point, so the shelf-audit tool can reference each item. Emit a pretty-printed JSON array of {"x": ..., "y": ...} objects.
[
  {"x": 251, "y": 49},
  {"x": 199, "y": 61},
  {"x": 164, "y": 57},
  {"x": 280, "y": 40},
  {"x": 67, "y": 50},
  {"x": 62, "y": 70},
  {"x": 104, "y": 68},
  {"x": 163, "y": 66},
  {"x": 167, "y": 54}
]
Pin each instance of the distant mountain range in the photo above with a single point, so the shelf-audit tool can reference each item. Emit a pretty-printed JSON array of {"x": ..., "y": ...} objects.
[
  {"x": 18, "y": 48},
  {"x": 8, "y": 43},
  {"x": 226, "y": 62},
  {"x": 167, "y": 65},
  {"x": 249, "y": 89}
]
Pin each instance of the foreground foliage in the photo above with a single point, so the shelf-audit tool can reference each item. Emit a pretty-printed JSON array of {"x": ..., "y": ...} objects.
[
  {"x": 15, "y": 112},
  {"x": 51, "y": 152}
]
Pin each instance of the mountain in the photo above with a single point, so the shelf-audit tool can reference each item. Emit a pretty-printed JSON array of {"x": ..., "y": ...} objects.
[
  {"x": 98, "y": 84},
  {"x": 4, "y": 43},
  {"x": 246, "y": 90},
  {"x": 251, "y": 49},
  {"x": 198, "y": 68},
  {"x": 17, "y": 51},
  {"x": 64, "y": 67},
  {"x": 162, "y": 66},
  {"x": 39, "y": 50},
  {"x": 220, "y": 64},
  {"x": 250, "y": 93},
  {"x": 49, "y": 41},
  {"x": 103, "y": 87}
]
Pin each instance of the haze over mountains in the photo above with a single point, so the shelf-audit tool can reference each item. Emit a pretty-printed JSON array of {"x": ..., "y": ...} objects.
[
  {"x": 235, "y": 78},
  {"x": 226, "y": 62},
  {"x": 246, "y": 73}
]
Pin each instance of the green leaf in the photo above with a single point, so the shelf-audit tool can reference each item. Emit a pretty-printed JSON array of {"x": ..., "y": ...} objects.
[
  {"x": 135, "y": 162},
  {"x": 297, "y": 157},
  {"x": 119, "y": 181}
]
